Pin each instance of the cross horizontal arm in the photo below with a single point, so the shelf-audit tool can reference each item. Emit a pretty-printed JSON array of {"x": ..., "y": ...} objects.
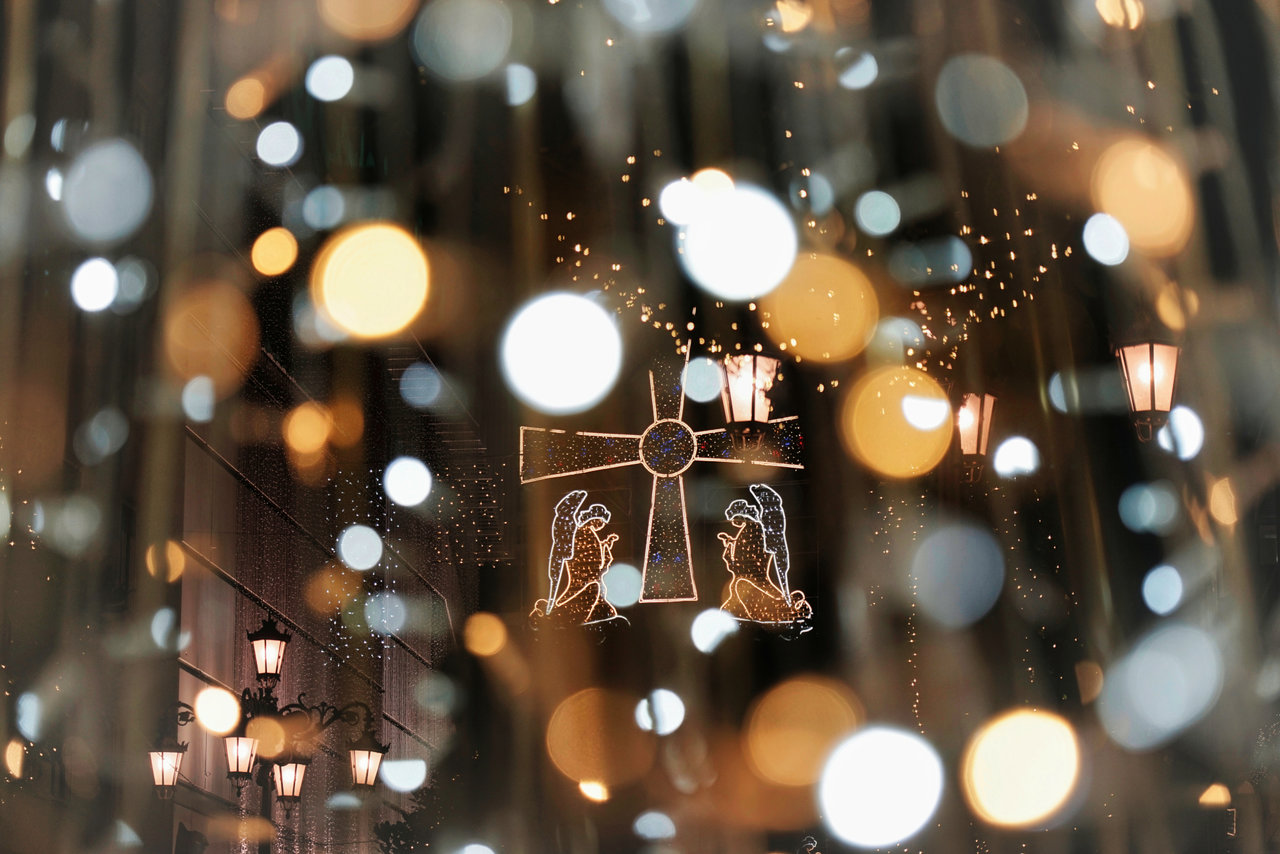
[
  {"x": 781, "y": 447},
  {"x": 556, "y": 453}
]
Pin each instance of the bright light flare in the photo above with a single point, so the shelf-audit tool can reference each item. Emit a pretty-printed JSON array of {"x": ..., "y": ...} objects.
[
  {"x": 370, "y": 279},
  {"x": 561, "y": 353},
  {"x": 1020, "y": 768},
  {"x": 217, "y": 710}
]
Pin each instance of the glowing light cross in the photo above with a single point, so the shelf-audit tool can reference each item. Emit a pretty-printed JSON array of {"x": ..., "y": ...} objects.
[{"x": 666, "y": 449}]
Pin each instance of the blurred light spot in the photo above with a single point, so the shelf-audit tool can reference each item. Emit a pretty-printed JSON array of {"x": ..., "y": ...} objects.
[
  {"x": 367, "y": 20},
  {"x": 813, "y": 193},
  {"x": 245, "y": 98},
  {"x": 944, "y": 260},
  {"x": 561, "y": 353},
  {"x": 165, "y": 560},
  {"x": 330, "y": 589},
  {"x": 279, "y": 144},
  {"x": 740, "y": 244},
  {"x": 58, "y": 135},
  {"x": 324, "y": 207},
  {"x": 1020, "y": 768},
  {"x": 1089, "y": 681},
  {"x": 1148, "y": 192},
  {"x": 858, "y": 69},
  {"x": 1183, "y": 435},
  {"x": 1121, "y": 14},
  {"x": 18, "y": 135},
  {"x": 877, "y": 213},
  {"x": 74, "y": 524},
  {"x": 211, "y": 330},
  {"x": 1222, "y": 502},
  {"x": 360, "y": 547},
  {"x": 53, "y": 183},
  {"x": 622, "y": 585},
  {"x": 385, "y": 613},
  {"x": 1165, "y": 684},
  {"x": 825, "y": 309},
  {"x": 880, "y": 786},
  {"x": 484, "y": 634},
  {"x": 370, "y": 279},
  {"x": 1105, "y": 239},
  {"x": 792, "y": 15},
  {"x": 702, "y": 379},
  {"x": 340, "y": 801},
  {"x": 136, "y": 283},
  {"x": 407, "y": 481},
  {"x": 270, "y": 735},
  {"x": 925, "y": 413},
  {"x": 217, "y": 710},
  {"x": 980, "y": 100},
  {"x": 198, "y": 399},
  {"x": 436, "y": 693},
  {"x": 1216, "y": 795},
  {"x": 959, "y": 573},
  {"x": 876, "y": 430},
  {"x": 1162, "y": 589},
  {"x": 94, "y": 284},
  {"x": 522, "y": 84},
  {"x": 1149, "y": 507},
  {"x": 420, "y": 385},
  {"x": 329, "y": 78},
  {"x": 29, "y": 716},
  {"x": 475, "y": 848},
  {"x": 163, "y": 624},
  {"x": 594, "y": 791},
  {"x": 307, "y": 428},
  {"x": 650, "y": 16},
  {"x": 661, "y": 712},
  {"x": 101, "y": 436},
  {"x": 403, "y": 775},
  {"x": 348, "y": 421},
  {"x": 463, "y": 39},
  {"x": 6, "y": 512},
  {"x": 680, "y": 201},
  {"x": 710, "y": 628},
  {"x": 654, "y": 825},
  {"x": 1016, "y": 456},
  {"x": 1058, "y": 393},
  {"x": 791, "y": 729},
  {"x": 274, "y": 251},
  {"x": 591, "y": 737},
  {"x": 126, "y": 836},
  {"x": 14, "y": 754},
  {"x": 893, "y": 339}
]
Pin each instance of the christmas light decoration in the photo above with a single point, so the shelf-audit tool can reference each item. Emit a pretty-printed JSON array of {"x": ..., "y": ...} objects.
[{"x": 758, "y": 562}]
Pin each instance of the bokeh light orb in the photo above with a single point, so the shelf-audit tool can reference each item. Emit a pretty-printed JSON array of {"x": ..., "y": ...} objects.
[
  {"x": 980, "y": 100},
  {"x": 622, "y": 585},
  {"x": 858, "y": 69},
  {"x": 702, "y": 379},
  {"x": 245, "y": 98},
  {"x": 1016, "y": 456},
  {"x": 211, "y": 330},
  {"x": 880, "y": 786},
  {"x": 463, "y": 39},
  {"x": 274, "y": 251},
  {"x": 94, "y": 285},
  {"x": 1162, "y": 589},
  {"x": 403, "y": 775},
  {"x": 330, "y": 78},
  {"x": 825, "y": 309},
  {"x": 651, "y": 16},
  {"x": 710, "y": 628},
  {"x": 740, "y": 244},
  {"x": 484, "y": 634},
  {"x": 367, "y": 20},
  {"x": 792, "y": 727},
  {"x": 1105, "y": 239},
  {"x": 420, "y": 385},
  {"x": 661, "y": 712},
  {"x": 407, "y": 481},
  {"x": 217, "y": 710},
  {"x": 279, "y": 144},
  {"x": 522, "y": 84},
  {"x": 107, "y": 192},
  {"x": 592, "y": 737},
  {"x": 654, "y": 825},
  {"x": 360, "y": 547},
  {"x": 877, "y": 213},
  {"x": 1183, "y": 435},
  {"x": 385, "y": 612},
  {"x": 896, "y": 421},
  {"x": 1150, "y": 507},
  {"x": 561, "y": 353},
  {"x": 1020, "y": 768},
  {"x": 958, "y": 572},
  {"x": 307, "y": 427},
  {"x": 370, "y": 279},
  {"x": 1148, "y": 192}
]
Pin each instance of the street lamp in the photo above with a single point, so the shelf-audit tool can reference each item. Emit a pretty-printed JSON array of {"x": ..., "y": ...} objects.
[
  {"x": 166, "y": 758},
  {"x": 748, "y": 378},
  {"x": 287, "y": 776},
  {"x": 269, "y": 643},
  {"x": 973, "y": 424},
  {"x": 1150, "y": 371}
]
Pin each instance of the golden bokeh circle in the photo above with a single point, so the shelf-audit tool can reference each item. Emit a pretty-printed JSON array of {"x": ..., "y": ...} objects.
[
  {"x": 897, "y": 421},
  {"x": 270, "y": 735},
  {"x": 166, "y": 560},
  {"x": 792, "y": 728},
  {"x": 370, "y": 280},
  {"x": 484, "y": 634},
  {"x": 1148, "y": 191},
  {"x": 246, "y": 98},
  {"x": 592, "y": 737},
  {"x": 306, "y": 428},
  {"x": 274, "y": 251},
  {"x": 1020, "y": 767},
  {"x": 212, "y": 330},
  {"x": 332, "y": 588},
  {"x": 825, "y": 309},
  {"x": 367, "y": 20}
]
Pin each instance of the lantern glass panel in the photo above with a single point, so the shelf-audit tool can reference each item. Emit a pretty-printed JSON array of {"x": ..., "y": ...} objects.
[
  {"x": 748, "y": 380},
  {"x": 241, "y": 753},
  {"x": 1149, "y": 374},
  {"x": 288, "y": 779},
  {"x": 973, "y": 422},
  {"x": 268, "y": 656},
  {"x": 364, "y": 766},
  {"x": 165, "y": 765}
]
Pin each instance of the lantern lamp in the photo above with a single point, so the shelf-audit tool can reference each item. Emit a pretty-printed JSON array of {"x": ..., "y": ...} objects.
[
  {"x": 748, "y": 378},
  {"x": 1150, "y": 371},
  {"x": 166, "y": 763},
  {"x": 287, "y": 776},
  {"x": 973, "y": 424},
  {"x": 269, "y": 643},
  {"x": 366, "y": 757},
  {"x": 242, "y": 751}
]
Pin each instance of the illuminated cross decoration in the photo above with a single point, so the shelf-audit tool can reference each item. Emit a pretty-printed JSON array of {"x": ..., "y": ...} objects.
[{"x": 666, "y": 449}]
